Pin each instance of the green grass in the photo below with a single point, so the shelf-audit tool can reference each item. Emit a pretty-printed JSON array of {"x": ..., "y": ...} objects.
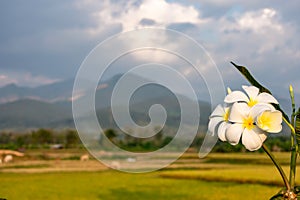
[
  {"x": 25, "y": 166},
  {"x": 248, "y": 158},
  {"x": 219, "y": 176},
  {"x": 113, "y": 185},
  {"x": 266, "y": 175}
]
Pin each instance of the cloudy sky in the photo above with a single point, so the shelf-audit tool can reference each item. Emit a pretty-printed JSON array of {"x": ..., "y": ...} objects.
[{"x": 46, "y": 41}]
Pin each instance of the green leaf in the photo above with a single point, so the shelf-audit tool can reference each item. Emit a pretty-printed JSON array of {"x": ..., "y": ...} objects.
[
  {"x": 243, "y": 70},
  {"x": 279, "y": 195},
  {"x": 297, "y": 190},
  {"x": 297, "y": 129}
]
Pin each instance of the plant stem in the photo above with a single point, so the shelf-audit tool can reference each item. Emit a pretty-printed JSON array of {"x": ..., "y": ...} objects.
[
  {"x": 293, "y": 153},
  {"x": 282, "y": 174},
  {"x": 294, "y": 145},
  {"x": 290, "y": 126},
  {"x": 293, "y": 167}
]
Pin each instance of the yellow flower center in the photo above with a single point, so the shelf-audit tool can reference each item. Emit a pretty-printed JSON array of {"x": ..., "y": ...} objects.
[
  {"x": 265, "y": 120},
  {"x": 226, "y": 115},
  {"x": 248, "y": 123},
  {"x": 252, "y": 102}
]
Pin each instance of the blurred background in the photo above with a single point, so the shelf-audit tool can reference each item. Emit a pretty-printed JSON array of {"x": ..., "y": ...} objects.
[{"x": 43, "y": 44}]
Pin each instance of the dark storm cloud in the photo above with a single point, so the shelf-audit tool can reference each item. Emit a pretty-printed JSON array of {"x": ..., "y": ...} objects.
[
  {"x": 45, "y": 37},
  {"x": 51, "y": 38}
]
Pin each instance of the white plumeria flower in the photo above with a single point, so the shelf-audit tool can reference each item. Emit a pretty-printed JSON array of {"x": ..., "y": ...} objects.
[
  {"x": 251, "y": 123},
  {"x": 252, "y": 98},
  {"x": 270, "y": 121},
  {"x": 219, "y": 120}
]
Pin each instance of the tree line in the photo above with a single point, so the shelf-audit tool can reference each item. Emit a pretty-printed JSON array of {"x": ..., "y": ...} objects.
[
  {"x": 41, "y": 138},
  {"x": 49, "y": 138}
]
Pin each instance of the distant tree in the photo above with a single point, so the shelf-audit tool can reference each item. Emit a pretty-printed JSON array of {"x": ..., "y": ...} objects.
[
  {"x": 59, "y": 138},
  {"x": 5, "y": 137},
  {"x": 110, "y": 134},
  {"x": 42, "y": 136},
  {"x": 72, "y": 139},
  {"x": 166, "y": 140},
  {"x": 21, "y": 140},
  {"x": 158, "y": 138}
]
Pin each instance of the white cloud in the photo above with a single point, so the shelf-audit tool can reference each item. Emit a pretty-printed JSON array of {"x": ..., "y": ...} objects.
[
  {"x": 5, "y": 80},
  {"x": 130, "y": 15},
  {"x": 261, "y": 40},
  {"x": 24, "y": 79},
  {"x": 260, "y": 21},
  {"x": 255, "y": 36},
  {"x": 31, "y": 80}
]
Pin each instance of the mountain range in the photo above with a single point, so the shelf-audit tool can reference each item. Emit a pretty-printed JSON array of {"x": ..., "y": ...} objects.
[
  {"x": 60, "y": 91},
  {"x": 50, "y": 106}
]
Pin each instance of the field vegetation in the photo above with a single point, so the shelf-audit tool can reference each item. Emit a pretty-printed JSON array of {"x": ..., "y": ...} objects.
[
  {"x": 61, "y": 175},
  {"x": 51, "y": 169}
]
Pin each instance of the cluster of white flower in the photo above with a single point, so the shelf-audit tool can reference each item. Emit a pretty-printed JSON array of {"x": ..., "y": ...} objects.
[{"x": 248, "y": 116}]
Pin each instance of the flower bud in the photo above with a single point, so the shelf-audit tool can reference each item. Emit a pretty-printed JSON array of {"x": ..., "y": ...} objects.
[
  {"x": 228, "y": 90},
  {"x": 291, "y": 91}
]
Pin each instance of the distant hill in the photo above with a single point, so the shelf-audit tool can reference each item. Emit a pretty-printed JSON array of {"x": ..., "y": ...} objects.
[
  {"x": 51, "y": 106},
  {"x": 28, "y": 113},
  {"x": 139, "y": 112},
  {"x": 60, "y": 91}
]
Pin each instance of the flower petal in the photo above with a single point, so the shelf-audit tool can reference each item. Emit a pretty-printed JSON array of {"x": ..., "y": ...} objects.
[
  {"x": 262, "y": 134},
  {"x": 219, "y": 111},
  {"x": 275, "y": 128},
  {"x": 266, "y": 98},
  {"x": 238, "y": 112},
  {"x": 257, "y": 109},
  {"x": 253, "y": 139},
  {"x": 233, "y": 133},
  {"x": 270, "y": 121},
  {"x": 270, "y": 106},
  {"x": 222, "y": 129},
  {"x": 213, "y": 122},
  {"x": 251, "y": 91},
  {"x": 276, "y": 117},
  {"x": 236, "y": 96}
]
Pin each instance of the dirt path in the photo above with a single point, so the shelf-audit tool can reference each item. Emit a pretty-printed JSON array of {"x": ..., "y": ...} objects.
[{"x": 40, "y": 166}]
